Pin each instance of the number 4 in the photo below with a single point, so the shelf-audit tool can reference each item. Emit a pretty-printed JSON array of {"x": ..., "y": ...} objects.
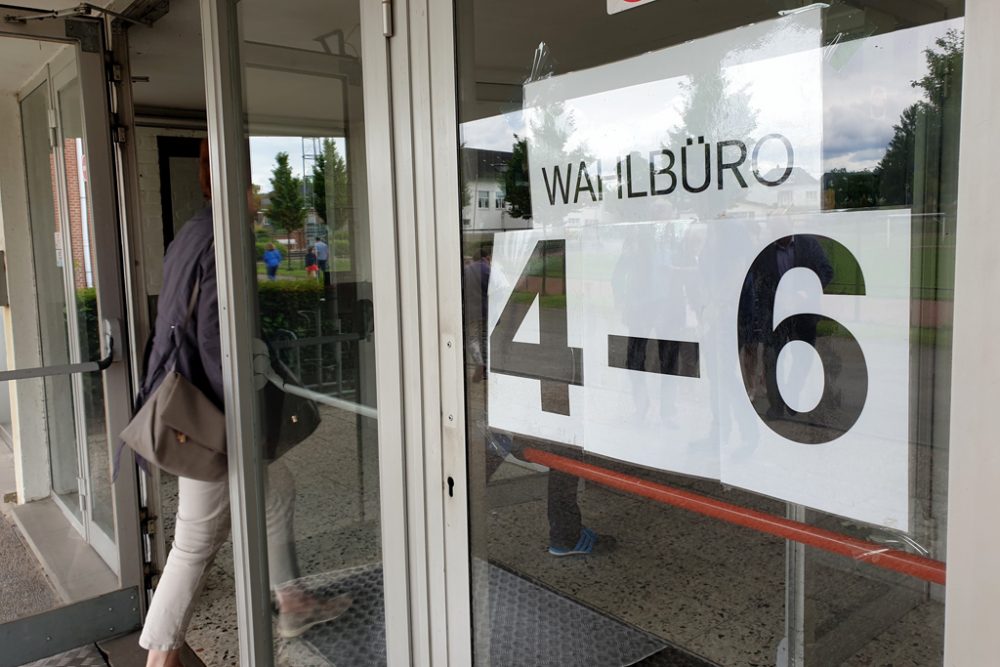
[{"x": 551, "y": 361}]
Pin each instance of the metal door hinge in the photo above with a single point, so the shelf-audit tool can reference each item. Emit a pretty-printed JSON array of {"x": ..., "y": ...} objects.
[
  {"x": 81, "y": 487},
  {"x": 119, "y": 134},
  {"x": 150, "y": 577},
  {"x": 115, "y": 73},
  {"x": 387, "y": 18},
  {"x": 53, "y": 129}
]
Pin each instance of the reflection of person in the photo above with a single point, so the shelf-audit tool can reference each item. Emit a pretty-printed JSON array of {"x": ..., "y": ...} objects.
[
  {"x": 643, "y": 291},
  {"x": 567, "y": 535},
  {"x": 311, "y": 268},
  {"x": 476, "y": 279},
  {"x": 322, "y": 254},
  {"x": 203, "y": 507},
  {"x": 777, "y": 259},
  {"x": 272, "y": 260}
]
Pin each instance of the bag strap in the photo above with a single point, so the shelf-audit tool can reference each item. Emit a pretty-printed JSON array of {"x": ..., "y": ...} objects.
[{"x": 176, "y": 329}]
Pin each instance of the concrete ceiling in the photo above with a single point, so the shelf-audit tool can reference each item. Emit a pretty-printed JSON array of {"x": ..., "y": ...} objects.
[
  {"x": 169, "y": 54},
  {"x": 580, "y": 34},
  {"x": 505, "y": 34},
  {"x": 23, "y": 58}
]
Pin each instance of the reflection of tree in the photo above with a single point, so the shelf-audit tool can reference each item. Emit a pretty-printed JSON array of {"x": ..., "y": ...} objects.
[
  {"x": 925, "y": 123},
  {"x": 465, "y": 195},
  {"x": 851, "y": 189},
  {"x": 716, "y": 112},
  {"x": 552, "y": 143},
  {"x": 288, "y": 207},
  {"x": 516, "y": 182},
  {"x": 330, "y": 174},
  {"x": 922, "y": 145}
]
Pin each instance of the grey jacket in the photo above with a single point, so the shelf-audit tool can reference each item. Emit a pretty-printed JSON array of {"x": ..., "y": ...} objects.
[{"x": 190, "y": 256}]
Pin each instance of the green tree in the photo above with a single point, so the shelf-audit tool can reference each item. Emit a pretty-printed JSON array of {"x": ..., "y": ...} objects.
[
  {"x": 716, "y": 110},
  {"x": 851, "y": 189},
  {"x": 331, "y": 191},
  {"x": 923, "y": 123},
  {"x": 288, "y": 207},
  {"x": 516, "y": 181},
  {"x": 554, "y": 141}
]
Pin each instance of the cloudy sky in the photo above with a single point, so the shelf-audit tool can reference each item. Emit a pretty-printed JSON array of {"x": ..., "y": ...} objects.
[
  {"x": 844, "y": 120},
  {"x": 866, "y": 84},
  {"x": 263, "y": 150}
]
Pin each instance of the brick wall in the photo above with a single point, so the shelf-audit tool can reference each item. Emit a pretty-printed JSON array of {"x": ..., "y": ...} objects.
[{"x": 74, "y": 204}]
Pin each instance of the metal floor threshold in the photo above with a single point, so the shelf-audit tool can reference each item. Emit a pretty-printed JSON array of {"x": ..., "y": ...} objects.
[
  {"x": 118, "y": 652},
  {"x": 84, "y": 656},
  {"x": 520, "y": 623}
]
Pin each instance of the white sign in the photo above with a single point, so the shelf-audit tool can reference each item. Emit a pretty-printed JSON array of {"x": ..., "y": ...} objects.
[
  {"x": 683, "y": 303},
  {"x": 615, "y": 6}
]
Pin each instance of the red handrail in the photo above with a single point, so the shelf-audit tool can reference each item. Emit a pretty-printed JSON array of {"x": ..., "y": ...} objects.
[{"x": 868, "y": 552}]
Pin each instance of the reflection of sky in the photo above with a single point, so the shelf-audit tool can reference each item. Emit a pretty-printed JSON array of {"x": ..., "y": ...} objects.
[
  {"x": 867, "y": 84},
  {"x": 263, "y": 150}
]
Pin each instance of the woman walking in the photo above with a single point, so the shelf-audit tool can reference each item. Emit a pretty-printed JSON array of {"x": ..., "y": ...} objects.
[{"x": 203, "y": 507}]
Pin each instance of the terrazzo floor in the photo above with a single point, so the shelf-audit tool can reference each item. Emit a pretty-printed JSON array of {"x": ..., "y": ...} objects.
[{"x": 716, "y": 590}]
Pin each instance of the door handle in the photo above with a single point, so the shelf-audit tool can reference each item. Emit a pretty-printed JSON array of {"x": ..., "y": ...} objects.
[{"x": 69, "y": 369}]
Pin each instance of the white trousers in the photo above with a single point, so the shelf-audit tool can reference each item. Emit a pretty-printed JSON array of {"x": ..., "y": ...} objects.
[{"x": 202, "y": 528}]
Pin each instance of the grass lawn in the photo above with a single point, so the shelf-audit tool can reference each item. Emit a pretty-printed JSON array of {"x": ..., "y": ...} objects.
[{"x": 298, "y": 268}]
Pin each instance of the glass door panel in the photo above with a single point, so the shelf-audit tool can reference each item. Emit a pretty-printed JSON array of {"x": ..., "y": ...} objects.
[
  {"x": 71, "y": 521},
  {"x": 49, "y": 265},
  {"x": 82, "y": 317},
  {"x": 692, "y": 361},
  {"x": 308, "y": 191}
]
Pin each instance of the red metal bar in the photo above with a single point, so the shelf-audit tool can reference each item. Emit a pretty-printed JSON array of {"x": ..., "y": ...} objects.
[{"x": 868, "y": 552}]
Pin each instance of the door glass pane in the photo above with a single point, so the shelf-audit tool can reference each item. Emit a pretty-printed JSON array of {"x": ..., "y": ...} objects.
[
  {"x": 708, "y": 310},
  {"x": 302, "y": 85},
  {"x": 64, "y": 508},
  {"x": 50, "y": 265},
  {"x": 83, "y": 321}
]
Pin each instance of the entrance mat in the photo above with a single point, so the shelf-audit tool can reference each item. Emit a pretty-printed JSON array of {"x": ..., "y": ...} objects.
[{"x": 528, "y": 624}]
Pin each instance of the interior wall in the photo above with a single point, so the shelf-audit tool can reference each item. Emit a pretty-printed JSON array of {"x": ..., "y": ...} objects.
[{"x": 148, "y": 158}]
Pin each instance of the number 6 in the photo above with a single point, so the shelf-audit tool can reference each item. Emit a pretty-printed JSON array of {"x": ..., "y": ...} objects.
[{"x": 844, "y": 370}]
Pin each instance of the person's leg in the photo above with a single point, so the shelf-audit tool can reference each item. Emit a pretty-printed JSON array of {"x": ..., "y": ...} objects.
[
  {"x": 635, "y": 355},
  {"x": 776, "y": 406},
  {"x": 202, "y": 527},
  {"x": 282, "y": 562},
  {"x": 298, "y": 608},
  {"x": 565, "y": 522}
]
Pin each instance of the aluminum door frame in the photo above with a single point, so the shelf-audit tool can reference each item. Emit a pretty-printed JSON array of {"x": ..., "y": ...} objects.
[
  {"x": 58, "y": 78},
  {"x": 87, "y": 36},
  {"x": 971, "y": 612},
  {"x": 425, "y": 147}
]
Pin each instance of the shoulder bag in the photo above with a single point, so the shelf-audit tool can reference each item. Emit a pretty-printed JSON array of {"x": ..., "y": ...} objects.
[{"x": 178, "y": 428}]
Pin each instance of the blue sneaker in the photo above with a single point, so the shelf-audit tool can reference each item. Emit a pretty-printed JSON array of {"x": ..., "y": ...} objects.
[{"x": 589, "y": 542}]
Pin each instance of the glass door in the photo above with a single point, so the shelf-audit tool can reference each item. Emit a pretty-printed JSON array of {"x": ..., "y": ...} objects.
[
  {"x": 66, "y": 271},
  {"x": 708, "y": 260},
  {"x": 301, "y": 265},
  {"x": 65, "y": 371}
]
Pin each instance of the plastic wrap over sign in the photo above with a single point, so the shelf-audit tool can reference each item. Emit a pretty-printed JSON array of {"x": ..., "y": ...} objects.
[{"x": 711, "y": 321}]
